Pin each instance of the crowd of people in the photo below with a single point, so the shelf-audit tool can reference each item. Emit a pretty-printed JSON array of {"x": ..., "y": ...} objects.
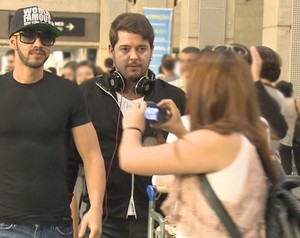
[{"x": 234, "y": 117}]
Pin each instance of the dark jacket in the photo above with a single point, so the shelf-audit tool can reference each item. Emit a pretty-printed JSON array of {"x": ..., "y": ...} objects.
[
  {"x": 270, "y": 110},
  {"x": 107, "y": 118}
]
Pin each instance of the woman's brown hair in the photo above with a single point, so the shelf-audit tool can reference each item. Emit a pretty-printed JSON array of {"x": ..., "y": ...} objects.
[{"x": 221, "y": 98}]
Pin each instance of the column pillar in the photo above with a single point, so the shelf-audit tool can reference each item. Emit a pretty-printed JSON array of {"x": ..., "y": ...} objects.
[
  {"x": 277, "y": 31},
  {"x": 189, "y": 23},
  {"x": 109, "y": 10}
]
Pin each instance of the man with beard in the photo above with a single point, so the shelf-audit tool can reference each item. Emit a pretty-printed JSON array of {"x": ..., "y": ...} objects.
[
  {"x": 109, "y": 96},
  {"x": 38, "y": 111}
]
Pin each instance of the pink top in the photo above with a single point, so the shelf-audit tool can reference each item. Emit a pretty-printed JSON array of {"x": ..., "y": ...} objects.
[{"x": 187, "y": 208}]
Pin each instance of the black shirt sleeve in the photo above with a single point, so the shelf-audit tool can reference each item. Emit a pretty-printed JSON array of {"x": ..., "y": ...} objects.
[{"x": 79, "y": 113}]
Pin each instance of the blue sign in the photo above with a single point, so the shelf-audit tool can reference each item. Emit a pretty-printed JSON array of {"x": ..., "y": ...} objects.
[{"x": 161, "y": 21}]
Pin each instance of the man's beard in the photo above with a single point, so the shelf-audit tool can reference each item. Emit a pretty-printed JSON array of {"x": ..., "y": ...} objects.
[{"x": 35, "y": 64}]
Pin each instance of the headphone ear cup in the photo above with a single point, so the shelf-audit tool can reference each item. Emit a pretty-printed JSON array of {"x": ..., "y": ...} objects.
[
  {"x": 143, "y": 86},
  {"x": 151, "y": 75},
  {"x": 116, "y": 81}
]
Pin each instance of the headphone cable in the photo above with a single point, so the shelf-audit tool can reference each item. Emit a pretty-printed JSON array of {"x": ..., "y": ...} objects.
[{"x": 112, "y": 158}]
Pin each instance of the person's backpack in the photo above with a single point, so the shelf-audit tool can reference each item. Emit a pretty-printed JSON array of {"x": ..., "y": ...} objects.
[
  {"x": 283, "y": 211},
  {"x": 283, "y": 208}
]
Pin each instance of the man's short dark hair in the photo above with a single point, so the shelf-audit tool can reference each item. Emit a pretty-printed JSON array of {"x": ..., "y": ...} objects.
[
  {"x": 133, "y": 23},
  {"x": 191, "y": 49},
  {"x": 271, "y": 63},
  {"x": 286, "y": 88},
  {"x": 168, "y": 62}
]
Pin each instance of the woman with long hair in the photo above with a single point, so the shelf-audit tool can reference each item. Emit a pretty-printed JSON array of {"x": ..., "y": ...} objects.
[{"x": 226, "y": 135}]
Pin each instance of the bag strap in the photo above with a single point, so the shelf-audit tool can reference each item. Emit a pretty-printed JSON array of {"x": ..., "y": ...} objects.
[{"x": 217, "y": 206}]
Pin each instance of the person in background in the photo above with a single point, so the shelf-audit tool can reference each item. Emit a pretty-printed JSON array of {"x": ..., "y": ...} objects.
[
  {"x": 187, "y": 57},
  {"x": 109, "y": 64},
  {"x": 160, "y": 74},
  {"x": 10, "y": 60},
  {"x": 108, "y": 97},
  {"x": 288, "y": 148},
  {"x": 85, "y": 70},
  {"x": 69, "y": 70},
  {"x": 226, "y": 132},
  {"x": 35, "y": 201},
  {"x": 168, "y": 70},
  {"x": 270, "y": 72}
]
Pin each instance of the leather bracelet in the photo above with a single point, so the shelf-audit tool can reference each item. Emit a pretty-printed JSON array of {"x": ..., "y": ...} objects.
[{"x": 133, "y": 128}]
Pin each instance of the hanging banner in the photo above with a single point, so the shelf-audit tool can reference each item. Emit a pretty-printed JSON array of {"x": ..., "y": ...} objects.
[{"x": 161, "y": 21}]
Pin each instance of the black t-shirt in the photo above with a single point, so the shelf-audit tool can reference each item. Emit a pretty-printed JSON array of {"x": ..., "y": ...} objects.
[{"x": 34, "y": 119}]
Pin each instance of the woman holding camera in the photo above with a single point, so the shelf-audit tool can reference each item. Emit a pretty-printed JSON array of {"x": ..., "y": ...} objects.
[{"x": 226, "y": 133}]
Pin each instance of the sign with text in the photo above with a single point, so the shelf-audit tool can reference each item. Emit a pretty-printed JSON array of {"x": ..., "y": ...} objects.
[
  {"x": 75, "y": 27},
  {"x": 70, "y": 26},
  {"x": 161, "y": 21}
]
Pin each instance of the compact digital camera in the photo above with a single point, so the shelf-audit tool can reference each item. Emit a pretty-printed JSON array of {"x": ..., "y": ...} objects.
[{"x": 156, "y": 114}]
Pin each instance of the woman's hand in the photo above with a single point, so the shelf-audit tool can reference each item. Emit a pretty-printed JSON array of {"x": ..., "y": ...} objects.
[
  {"x": 256, "y": 64},
  {"x": 134, "y": 117},
  {"x": 174, "y": 123}
]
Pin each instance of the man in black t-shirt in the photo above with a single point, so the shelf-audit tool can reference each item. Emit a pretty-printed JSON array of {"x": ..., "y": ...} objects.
[{"x": 37, "y": 110}]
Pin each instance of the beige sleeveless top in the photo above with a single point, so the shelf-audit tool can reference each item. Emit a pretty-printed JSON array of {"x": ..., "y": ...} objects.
[{"x": 186, "y": 207}]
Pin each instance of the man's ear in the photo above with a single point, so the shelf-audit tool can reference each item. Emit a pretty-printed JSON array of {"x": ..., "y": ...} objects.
[
  {"x": 152, "y": 49},
  {"x": 110, "y": 50},
  {"x": 13, "y": 42}
]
